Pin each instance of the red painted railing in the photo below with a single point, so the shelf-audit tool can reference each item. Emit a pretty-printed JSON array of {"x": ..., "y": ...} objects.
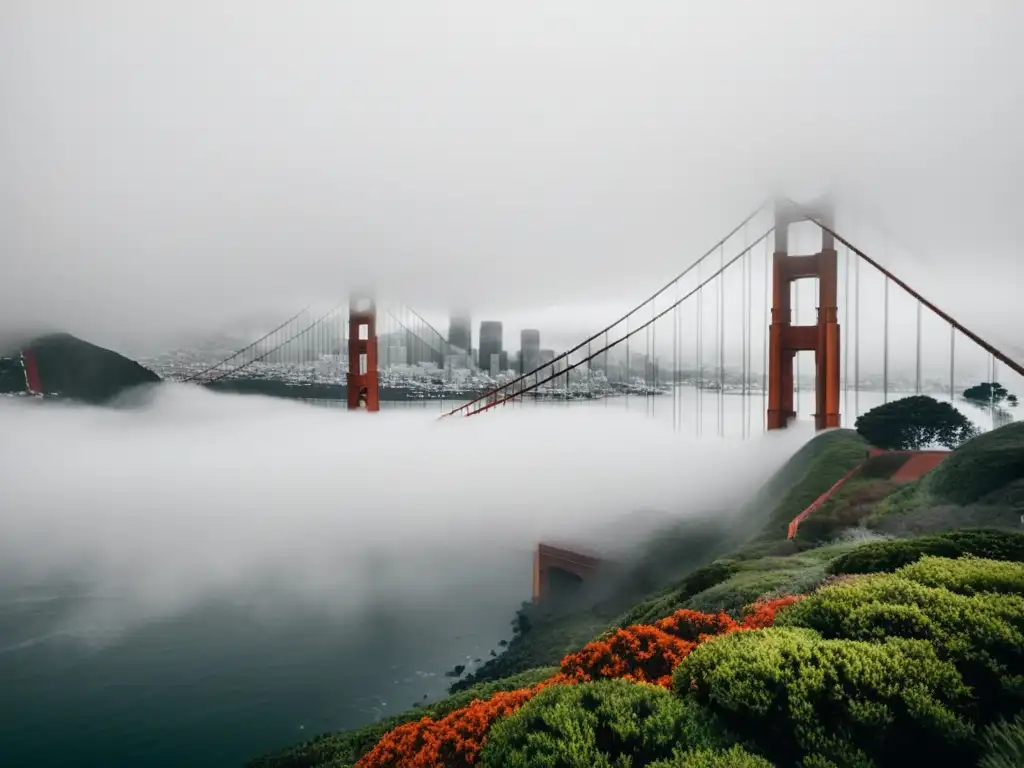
[{"x": 814, "y": 505}]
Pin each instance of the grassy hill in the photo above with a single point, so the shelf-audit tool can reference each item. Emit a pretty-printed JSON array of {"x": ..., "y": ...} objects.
[{"x": 705, "y": 567}]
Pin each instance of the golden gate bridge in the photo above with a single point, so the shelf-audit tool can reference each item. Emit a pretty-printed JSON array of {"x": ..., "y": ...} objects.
[{"x": 759, "y": 260}]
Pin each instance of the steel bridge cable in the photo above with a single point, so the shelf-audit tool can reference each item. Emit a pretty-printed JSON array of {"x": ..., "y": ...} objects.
[
  {"x": 856, "y": 349},
  {"x": 885, "y": 346},
  {"x": 918, "y": 371},
  {"x": 721, "y": 343},
  {"x": 675, "y": 360},
  {"x": 846, "y": 345},
  {"x": 639, "y": 306},
  {"x": 250, "y": 346},
  {"x": 767, "y": 336},
  {"x": 952, "y": 362},
  {"x": 269, "y": 352},
  {"x": 700, "y": 359},
  {"x": 642, "y": 327}
]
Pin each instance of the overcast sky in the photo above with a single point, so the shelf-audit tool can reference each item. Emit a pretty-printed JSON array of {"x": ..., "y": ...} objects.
[{"x": 168, "y": 165}]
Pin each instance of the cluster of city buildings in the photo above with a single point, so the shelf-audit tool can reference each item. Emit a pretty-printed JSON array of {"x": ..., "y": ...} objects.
[{"x": 490, "y": 355}]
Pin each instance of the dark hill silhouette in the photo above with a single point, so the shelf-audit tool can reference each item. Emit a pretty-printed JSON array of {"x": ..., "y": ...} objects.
[{"x": 70, "y": 367}]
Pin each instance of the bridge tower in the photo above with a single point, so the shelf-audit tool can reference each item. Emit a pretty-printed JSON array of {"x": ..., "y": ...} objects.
[
  {"x": 363, "y": 389},
  {"x": 786, "y": 339}
]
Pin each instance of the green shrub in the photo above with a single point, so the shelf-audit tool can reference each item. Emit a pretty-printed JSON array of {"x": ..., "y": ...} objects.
[
  {"x": 598, "y": 725},
  {"x": 983, "y": 466},
  {"x": 1003, "y": 744},
  {"x": 967, "y": 575},
  {"x": 668, "y": 601},
  {"x": 796, "y": 695},
  {"x": 889, "y": 555},
  {"x": 983, "y": 634},
  {"x": 735, "y": 757}
]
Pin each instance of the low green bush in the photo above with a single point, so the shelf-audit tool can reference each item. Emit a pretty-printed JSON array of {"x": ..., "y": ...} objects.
[
  {"x": 605, "y": 724},
  {"x": 981, "y": 467},
  {"x": 668, "y": 601},
  {"x": 967, "y": 575},
  {"x": 799, "y": 696},
  {"x": 982, "y": 634},
  {"x": 1003, "y": 744},
  {"x": 878, "y": 556},
  {"x": 735, "y": 757}
]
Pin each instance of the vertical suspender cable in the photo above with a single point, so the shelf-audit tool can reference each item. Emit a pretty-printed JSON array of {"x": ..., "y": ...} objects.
[
  {"x": 952, "y": 363},
  {"x": 846, "y": 329},
  {"x": 796, "y": 320},
  {"x": 917, "y": 375},
  {"x": 766, "y": 295},
  {"x": 675, "y": 355},
  {"x": 885, "y": 345},
  {"x": 750, "y": 330},
  {"x": 629, "y": 365},
  {"x": 700, "y": 358},
  {"x": 992, "y": 390},
  {"x": 856, "y": 349},
  {"x": 590, "y": 372},
  {"x": 744, "y": 311},
  {"x": 721, "y": 347},
  {"x": 652, "y": 336}
]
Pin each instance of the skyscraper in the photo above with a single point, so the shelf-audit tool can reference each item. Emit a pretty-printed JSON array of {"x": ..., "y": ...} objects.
[
  {"x": 529, "y": 354},
  {"x": 490, "y": 342},
  {"x": 460, "y": 332}
]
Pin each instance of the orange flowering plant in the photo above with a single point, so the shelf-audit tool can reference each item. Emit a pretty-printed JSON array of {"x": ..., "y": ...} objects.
[{"x": 641, "y": 653}]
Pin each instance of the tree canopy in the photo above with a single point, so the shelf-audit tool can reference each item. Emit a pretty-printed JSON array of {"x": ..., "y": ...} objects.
[
  {"x": 913, "y": 423},
  {"x": 988, "y": 394}
]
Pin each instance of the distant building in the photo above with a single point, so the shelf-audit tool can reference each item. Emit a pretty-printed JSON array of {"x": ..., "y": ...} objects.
[
  {"x": 529, "y": 350},
  {"x": 460, "y": 332},
  {"x": 490, "y": 343}
]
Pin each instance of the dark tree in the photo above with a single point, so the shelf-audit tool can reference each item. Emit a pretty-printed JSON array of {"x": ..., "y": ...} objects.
[
  {"x": 913, "y": 423},
  {"x": 989, "y": 394}
]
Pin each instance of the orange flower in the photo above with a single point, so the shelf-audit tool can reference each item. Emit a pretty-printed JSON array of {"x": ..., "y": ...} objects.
[
  {"x": 642, "y": 653},
  {"x": 695, "y": 626},
  {"x": 762, "y": 613},
  {"x": 453, "y": 741}
]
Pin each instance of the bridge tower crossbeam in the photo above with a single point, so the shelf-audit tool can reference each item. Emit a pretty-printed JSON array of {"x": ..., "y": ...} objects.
[{"x": 786, "y": 339}]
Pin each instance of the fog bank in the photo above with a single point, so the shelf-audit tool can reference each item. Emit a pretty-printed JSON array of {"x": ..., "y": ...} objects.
[{"x": 187, "y": 495}]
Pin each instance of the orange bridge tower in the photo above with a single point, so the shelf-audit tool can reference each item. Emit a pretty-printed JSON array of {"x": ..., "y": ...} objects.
[
  {"x": 363, "y": 390},
  {"x": 786, "y": 339}
]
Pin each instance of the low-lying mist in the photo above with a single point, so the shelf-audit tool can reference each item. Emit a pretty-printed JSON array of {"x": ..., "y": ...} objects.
[{"x": 177, "y": 496}]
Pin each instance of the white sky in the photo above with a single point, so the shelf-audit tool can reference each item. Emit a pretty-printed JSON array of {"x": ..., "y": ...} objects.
[{"x": 167, "y": 166}]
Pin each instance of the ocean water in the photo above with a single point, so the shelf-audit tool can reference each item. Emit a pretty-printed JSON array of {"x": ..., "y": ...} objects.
[{"x": 226, "y": 681}]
